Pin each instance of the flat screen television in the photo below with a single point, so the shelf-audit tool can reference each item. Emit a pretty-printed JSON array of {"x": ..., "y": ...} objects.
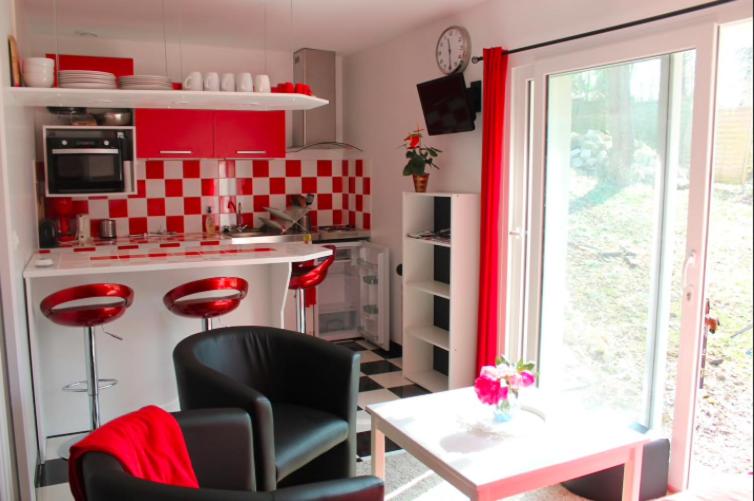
[{"x": 446, "y": 105}]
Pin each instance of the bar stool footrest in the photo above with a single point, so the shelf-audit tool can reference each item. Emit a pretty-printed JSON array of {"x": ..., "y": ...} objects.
[{"x": 83, "y": 386}]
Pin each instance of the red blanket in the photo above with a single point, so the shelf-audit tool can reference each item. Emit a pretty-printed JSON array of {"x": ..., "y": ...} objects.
[{"x": 148, "y": 444}]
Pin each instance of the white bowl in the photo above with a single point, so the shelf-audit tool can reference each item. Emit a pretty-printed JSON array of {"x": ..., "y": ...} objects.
[
  {"x": 39, "y": 71},
  {"x": 37, "y": 75},
  {"x": 36, "y": 79},
  {"x": 39, "y": 62}
]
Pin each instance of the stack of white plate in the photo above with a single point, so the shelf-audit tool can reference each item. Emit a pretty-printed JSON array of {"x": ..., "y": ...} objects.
[
  {"x": 86, "y": 79},
  {"x": 145, "y": 82}
]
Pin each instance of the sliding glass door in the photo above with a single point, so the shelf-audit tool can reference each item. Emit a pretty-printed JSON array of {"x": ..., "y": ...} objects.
[
  {"x": 616, "y": 176},
  {"x": 611, "y": 148}
]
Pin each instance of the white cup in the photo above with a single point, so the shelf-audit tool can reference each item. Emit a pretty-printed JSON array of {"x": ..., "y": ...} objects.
[
  {"x": 244, "y": 82},
  {"x": 39, "y": 78},
  {"x": 228, "y": 82},
  {"x": 212, "y": 81},
  {"x": 193, "y": 81},
  {"x": 262, "y": 83},
  {"x": 39, "y": 63}
]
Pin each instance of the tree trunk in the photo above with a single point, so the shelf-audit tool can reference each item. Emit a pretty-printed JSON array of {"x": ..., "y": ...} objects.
[{"x": 619, "y": 126}]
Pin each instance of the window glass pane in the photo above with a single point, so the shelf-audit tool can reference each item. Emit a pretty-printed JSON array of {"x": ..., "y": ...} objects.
[{"x": 608, "y": 155}]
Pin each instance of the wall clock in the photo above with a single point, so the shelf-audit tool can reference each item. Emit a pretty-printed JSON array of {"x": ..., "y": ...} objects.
[{"x": 453, "y": 50}]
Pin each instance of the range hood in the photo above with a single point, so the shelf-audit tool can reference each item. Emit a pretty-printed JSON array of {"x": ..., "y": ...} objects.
[{"x": 315, "y": 68}]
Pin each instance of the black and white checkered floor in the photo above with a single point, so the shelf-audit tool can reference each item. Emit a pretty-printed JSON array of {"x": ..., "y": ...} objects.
[{"x": 381, "y": 380}]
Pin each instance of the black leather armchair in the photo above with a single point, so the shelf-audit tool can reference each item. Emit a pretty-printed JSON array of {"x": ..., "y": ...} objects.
[
  {"x": 300, "y": 391},
  {"x": 220, "y": 445}
]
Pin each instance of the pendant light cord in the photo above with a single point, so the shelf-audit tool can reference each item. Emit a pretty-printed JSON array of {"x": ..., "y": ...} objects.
[
  {"x": 164, "y": 38},
  {"x": 57, "y": 38},
  {"x": 264, "y": 31}
]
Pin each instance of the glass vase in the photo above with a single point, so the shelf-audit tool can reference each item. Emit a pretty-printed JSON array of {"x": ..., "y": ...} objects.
[{"x": 507, "y": 409}]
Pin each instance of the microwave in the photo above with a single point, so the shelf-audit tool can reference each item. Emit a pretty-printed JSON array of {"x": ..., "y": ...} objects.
[{"x": 89, "y": 160}]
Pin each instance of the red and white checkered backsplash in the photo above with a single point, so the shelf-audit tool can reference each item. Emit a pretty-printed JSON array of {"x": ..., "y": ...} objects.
[{"x": 173, "y": 195}]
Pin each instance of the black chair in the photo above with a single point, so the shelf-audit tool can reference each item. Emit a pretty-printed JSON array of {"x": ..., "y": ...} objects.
[
  {"x": 300, "y": 391},
  {"x": 220, "y": 445}
]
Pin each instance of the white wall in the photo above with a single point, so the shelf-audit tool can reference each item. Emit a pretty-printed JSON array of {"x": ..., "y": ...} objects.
[
  {"x": 8, "y": 485},
  {"x": 17, "y": 241},
  {"x": 381, "y": 103}
]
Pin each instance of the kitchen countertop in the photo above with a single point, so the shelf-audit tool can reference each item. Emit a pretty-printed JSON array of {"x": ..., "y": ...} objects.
[
  {"x": 169, "y": 240},
  {"x": 122, "y": 260}
]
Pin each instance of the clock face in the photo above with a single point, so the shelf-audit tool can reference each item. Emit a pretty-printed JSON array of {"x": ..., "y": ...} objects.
[{"x": 453, "y": 50}]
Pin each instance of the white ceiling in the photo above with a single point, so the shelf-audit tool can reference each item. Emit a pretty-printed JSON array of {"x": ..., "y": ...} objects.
[{"x": 345, "y": 26}]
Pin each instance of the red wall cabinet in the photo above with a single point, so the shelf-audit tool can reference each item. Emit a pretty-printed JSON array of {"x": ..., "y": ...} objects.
[
  {"x": 249, "y": 134},
  {"x": 162, "y": 133},
  {"x": 174, "y": 133}
]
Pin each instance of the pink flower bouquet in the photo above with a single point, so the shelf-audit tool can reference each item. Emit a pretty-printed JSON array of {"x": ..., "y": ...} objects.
[{"x": 500, "y": 384}]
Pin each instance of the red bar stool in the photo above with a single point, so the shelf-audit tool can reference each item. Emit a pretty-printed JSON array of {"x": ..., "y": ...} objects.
[
  {"x": 206, "y": 308},
  {"x": 305, "y": 275},
  {"x": 89, "y": 316}
]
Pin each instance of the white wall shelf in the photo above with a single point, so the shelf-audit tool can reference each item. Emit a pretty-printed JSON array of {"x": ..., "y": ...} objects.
[
  {"x": 432, "y": 335},
  {"x": 432, "y": 287},
  {"x": 176, "y": 99},
  {"x": 440, "y": 294},
  {"x": 428, "y": 241}
]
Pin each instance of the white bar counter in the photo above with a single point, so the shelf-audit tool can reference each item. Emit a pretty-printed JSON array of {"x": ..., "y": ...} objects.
[
  {"x": 142, "y": 362},
  {"x": 70, "y": 263}
]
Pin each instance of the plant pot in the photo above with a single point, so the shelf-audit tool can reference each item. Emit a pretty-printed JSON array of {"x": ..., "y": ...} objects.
[{"x": 420, "y": 183}]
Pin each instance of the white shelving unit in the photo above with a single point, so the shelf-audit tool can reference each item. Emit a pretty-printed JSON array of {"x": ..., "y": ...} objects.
[
  {"x": 440, "y": 290},
  {"x": 177, "y": 99}
]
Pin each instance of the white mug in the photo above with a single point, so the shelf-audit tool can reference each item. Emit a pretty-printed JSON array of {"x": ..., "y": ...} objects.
[
  {"x": 193, "y": 81},
  {"x": 262, "y": 83},
  {"x": 228, "y": 82},
  {"x": 212, "y": 81},
  {"x": 244, "y": 82}
]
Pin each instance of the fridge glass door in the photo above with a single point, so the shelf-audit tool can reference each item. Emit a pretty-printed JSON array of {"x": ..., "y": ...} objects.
[
  {"x": 373, "y": 267},
  {"x": 338, "y": 296}
]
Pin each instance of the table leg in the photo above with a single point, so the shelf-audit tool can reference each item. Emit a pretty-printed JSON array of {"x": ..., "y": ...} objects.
[
  {"x": 378, "y": 452},
  {"x": 632, "y": 474}
]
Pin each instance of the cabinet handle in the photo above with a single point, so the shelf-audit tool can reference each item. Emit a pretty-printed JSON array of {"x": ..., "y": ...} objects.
[
  {"x": 251, "y": 152},
  {"x": 176, "y": 152}
]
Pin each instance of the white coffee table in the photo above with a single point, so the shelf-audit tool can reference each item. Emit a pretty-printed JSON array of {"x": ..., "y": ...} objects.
[{"x": 454, "y": 435}]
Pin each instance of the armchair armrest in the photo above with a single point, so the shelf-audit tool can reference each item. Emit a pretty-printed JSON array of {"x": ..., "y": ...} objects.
[
  {"x": 201, "y": 387},
  {"x": 105, "y": 480},
  {"x": 348, "y": 489},
  {"x": 221, "y": 447}
]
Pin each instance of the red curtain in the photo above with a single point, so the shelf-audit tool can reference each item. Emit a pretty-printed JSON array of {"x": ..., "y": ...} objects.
[{"x": 494, "y": 216}]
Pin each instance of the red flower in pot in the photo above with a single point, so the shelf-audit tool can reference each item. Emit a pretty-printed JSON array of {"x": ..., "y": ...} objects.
[{"x": 419, "y": 157}]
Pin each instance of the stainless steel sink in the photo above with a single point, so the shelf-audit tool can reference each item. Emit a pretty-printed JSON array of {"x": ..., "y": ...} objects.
[
  {"x": 261, "y": 237},
  {"x": 246, "y": 233}
]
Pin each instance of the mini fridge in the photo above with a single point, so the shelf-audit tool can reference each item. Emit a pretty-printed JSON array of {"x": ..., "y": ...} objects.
[{"x": 353, "y": 301}]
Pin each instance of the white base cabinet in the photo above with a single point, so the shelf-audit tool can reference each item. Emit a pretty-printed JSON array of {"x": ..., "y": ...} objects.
[{"x": 440, "y": 289}]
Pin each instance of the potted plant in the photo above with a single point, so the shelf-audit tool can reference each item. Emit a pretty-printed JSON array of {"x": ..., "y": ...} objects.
[
  {"x": 499, "y": 385},
  {"x": 419, "y": 157}
]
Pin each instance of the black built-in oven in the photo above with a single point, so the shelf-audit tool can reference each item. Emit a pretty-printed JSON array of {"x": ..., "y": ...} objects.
[{"x": 87, "y": 160}]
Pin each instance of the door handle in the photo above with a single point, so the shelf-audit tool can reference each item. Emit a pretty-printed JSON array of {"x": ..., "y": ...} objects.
[
  {"x": 85, "y": 151},
  {"x": 688, "y": 286},
  {"x": 176, "y": 152},
  {"x": 251, "y": 152}
]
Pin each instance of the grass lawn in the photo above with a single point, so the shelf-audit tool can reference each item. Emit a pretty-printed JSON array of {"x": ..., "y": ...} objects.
[{"x": 608, "y": 269}]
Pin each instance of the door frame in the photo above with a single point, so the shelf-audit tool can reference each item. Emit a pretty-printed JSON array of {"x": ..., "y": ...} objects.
[{"x": 527, "y": 152}]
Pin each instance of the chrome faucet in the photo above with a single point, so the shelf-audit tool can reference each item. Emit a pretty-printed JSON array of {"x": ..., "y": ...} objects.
[{"x": 236, "y": 208}]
